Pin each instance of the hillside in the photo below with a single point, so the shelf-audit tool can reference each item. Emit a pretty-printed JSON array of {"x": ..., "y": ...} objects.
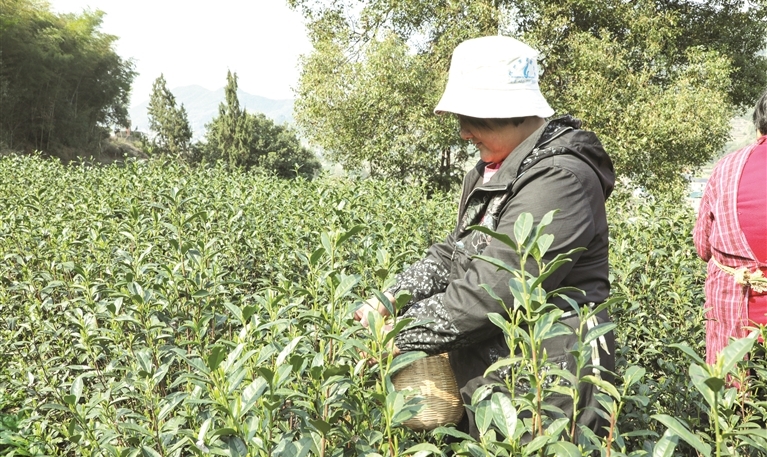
[{"x": 202, "y": 105}]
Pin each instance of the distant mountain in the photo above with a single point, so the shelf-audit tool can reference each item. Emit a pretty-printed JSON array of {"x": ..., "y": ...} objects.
[{"x": 202, "y": 106}]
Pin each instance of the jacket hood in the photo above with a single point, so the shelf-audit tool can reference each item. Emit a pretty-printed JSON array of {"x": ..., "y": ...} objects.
[
  {"x": 586, "y": 146},
  {"x": 561, "y": 135}
]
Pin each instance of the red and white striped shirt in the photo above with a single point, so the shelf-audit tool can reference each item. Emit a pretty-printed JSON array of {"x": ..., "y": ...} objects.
[{"x": 718, "y": 234}]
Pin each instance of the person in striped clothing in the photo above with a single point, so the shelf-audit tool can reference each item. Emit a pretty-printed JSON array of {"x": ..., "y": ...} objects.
[{"x": 731, "y": 235}]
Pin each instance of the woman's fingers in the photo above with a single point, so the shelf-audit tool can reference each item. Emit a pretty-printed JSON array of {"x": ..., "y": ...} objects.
[
  {"x": 361, "y": 314},
  {"x": 371, "y": 304}
]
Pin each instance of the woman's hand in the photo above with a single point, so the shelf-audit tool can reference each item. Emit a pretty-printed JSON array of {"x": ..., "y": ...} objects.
[
  {"x": 361, "y": 315},
  {"x": 371, "y": 305}
]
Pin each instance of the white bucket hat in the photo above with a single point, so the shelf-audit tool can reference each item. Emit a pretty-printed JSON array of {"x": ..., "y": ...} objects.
[{"x": 493, "y": 77}]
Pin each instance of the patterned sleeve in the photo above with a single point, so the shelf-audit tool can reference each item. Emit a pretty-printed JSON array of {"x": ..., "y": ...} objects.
[
  {"x": 435, "y": 332},
  {"x": 423, "y": 279},
  {"x": 705, "y": 219}
]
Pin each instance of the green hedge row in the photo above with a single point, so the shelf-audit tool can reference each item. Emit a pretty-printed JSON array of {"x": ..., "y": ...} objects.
[{"x": 150, "y": 308}]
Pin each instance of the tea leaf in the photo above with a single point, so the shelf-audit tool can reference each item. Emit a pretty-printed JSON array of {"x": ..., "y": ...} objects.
[
  {"x": 422, "y": 450},
  {"x": 536, "y": 444},
  {"x": 404, "y": 360},
  {"x": 633, "y": 375},
  {"x": 544, "y": 243},
  {"x": 226, "y": 431},
  {"x": 522, "y": 227},
  {"x": 603, "y": 386},
  {"x": 288, "y": 350},
  {"x": 680, "y": 430},
  {"x": 698, "y": 377},
  {"x": 345, "y": 286},
  {"x": 349, "y": 233},
  {"x": 483, "y": 416},
  {"x": 449, "y": 431},
  {"x": 503, "y": 238},
  {"x": 316, "y": 256},
  {"x": 502, "y": 363},
  {"x": 149, "y": 452},
  {"x": 325, "y": 240},
  {"x": 136, "y": 428},
  {"x": 216, "y": 356},
  {"x": 556, "y": 428},
  {"x": 169, "y": 403},
  {"x": 77, "y": 388},
  {"x": 598, "y": 331},
  {"x": 252, "y": 393},
  {"x": 384, "y": 300},
  {"x": 735, "y": 352},
  {"x": 237, "y": 447},
  {"x": 715, "y": 384},
  {"x": 688, "y": 350},
  {"x": 201, "y": 294},
  {"x": 504, "y": 414},
  {"x": 501, "y": 265},
  {"x": 564, "y": 449}
]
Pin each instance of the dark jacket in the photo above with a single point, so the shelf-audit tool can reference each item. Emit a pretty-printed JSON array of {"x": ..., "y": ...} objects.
[{"x": 559, "y": 167}]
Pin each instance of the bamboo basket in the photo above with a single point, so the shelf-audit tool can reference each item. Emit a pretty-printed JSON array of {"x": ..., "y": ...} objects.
[{"x": 433, "y": 379}]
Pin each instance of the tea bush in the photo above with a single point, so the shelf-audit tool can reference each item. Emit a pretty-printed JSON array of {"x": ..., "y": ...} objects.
[
  {"x": 655, "y": 268},
  {"x": 160, "y": 309},
  {"x": 155, "y": 309}
]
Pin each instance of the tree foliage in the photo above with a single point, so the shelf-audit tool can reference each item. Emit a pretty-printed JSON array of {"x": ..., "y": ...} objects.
[
  {"x": 276, "y": 148},
  {"x": 658, "y": 80},
  {"x": 225, "y": 135},
  {"x": 61, "y": 82},
  {"x": 173, "y": 135},
  {"x": 251, "y": 140},
  {"x": 367, "y": 98}
]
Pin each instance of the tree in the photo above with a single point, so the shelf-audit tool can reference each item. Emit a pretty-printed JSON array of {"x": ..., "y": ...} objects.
[
  {"x": 61, "y": 83},
  {"x": 251, "y": 140},
  {"x": 375, "y": 114},
  {"x": 276, "y": 148},
  {"x": 226, "y": 136},
  {"x": 366, "y": 95},
  {"x": 658, "y": 80},
  {"x": 173, "y": 135}
]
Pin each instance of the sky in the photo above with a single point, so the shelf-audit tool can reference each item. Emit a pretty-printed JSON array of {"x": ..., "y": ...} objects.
[{"x": 194, "y": 42}]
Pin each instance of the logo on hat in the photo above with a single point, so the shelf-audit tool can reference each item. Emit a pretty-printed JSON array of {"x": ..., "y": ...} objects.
[{"x": 523, "y": 70}]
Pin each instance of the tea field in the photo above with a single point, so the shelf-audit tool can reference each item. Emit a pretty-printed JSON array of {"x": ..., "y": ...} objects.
[{"x": 153, "y": 309}]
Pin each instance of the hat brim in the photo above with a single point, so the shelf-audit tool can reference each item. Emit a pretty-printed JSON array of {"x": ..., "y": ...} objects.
[{"x": 494, "y": 104}]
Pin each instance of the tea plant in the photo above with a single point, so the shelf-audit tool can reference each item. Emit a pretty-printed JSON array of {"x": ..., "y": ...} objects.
[
  {"x": 149, "y": 308},
  {"x": 158, "y": 309},
  {"x": 523, "y": 425},
  {"x": 655, "y": 269}
]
